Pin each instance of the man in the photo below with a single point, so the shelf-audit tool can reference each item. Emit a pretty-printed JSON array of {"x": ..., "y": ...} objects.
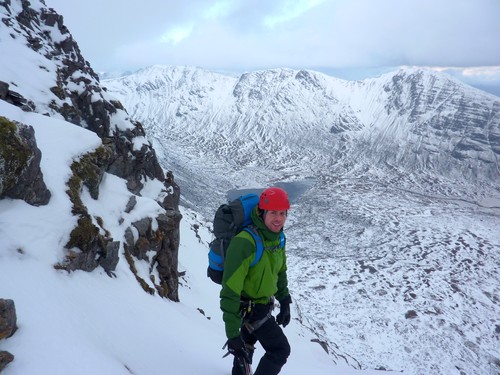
[{"x": 248, "y": 293}]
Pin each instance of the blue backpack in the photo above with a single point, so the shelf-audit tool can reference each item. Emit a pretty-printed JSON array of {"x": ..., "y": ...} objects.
[{"x": 230, "y": 219}]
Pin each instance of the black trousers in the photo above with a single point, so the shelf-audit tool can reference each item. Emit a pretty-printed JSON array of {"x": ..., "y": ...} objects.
[{"x": 273, "y": 340}]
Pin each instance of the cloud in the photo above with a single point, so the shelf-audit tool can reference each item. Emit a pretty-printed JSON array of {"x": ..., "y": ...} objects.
[
  {"x": 177, "y": 34},
  {"x": 219, "y": 9},
  {"x": 290, "y": 10},
  {"x": 484, "y": 71},
  {"x": 241, "y": 34}
]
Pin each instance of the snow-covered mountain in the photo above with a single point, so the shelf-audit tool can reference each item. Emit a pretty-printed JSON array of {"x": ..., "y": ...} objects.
[
  {"x": 393, "y": 233},
  {"x": 410, "y": 122},
  {"x": 81, "y": 190}
]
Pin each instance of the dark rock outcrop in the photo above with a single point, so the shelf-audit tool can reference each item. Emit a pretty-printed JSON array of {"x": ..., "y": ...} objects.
[
  {"x": 5, "y": 359},
  {"x": 78, "y": 97},
  {"x": 20, "y": 174},
  {"x": 8, "y": 318},
  {"x": 15, "y": 98},
  {"x": 8, "y": 325}
]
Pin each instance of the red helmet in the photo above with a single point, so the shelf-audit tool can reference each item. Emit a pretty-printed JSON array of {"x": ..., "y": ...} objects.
[{"x": 274, "y": 199}]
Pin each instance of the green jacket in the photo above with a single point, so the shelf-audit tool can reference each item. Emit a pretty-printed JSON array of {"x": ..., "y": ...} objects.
[{"x": 259, "y": 283}]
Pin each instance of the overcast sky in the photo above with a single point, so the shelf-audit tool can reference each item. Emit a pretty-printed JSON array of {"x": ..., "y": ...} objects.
[{"x": 326, "y": 35}]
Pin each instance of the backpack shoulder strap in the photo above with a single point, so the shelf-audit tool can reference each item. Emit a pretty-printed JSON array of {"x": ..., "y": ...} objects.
[
  {"x": 282, "y": 240},
  {"x": 258, "y": 244}
]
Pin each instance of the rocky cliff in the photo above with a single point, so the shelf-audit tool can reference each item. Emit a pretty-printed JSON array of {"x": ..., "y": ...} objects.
[{"x": 43, "y": 71}]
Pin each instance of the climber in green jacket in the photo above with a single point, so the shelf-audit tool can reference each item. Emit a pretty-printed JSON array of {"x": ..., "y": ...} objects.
[{"x": 248, "y": 293}]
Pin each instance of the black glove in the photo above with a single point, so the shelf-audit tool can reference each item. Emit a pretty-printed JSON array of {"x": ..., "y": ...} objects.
[
  {"x": 237, "y": 347},
  {"x": 283, "y": 317}
]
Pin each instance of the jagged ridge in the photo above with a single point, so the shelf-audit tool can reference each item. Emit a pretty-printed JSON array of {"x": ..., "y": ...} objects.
[{"x": 412, "y": 120}]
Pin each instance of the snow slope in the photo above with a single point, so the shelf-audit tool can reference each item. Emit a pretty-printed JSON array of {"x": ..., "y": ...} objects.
[{"x": 90, "y": 323}]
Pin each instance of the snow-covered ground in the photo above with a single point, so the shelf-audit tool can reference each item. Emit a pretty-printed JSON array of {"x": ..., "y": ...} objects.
[
  {"x": 399, "y": 280},
  {"x": 90, "y": 323}
]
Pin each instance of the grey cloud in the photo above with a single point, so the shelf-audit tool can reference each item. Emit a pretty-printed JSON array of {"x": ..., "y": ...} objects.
[{"x": 335, "y": 34}]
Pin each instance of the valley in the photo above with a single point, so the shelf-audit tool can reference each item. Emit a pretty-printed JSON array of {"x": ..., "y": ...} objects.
[{"x": 393, "y": 234}]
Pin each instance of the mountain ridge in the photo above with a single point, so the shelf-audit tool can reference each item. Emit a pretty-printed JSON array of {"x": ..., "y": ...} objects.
[
  {"x": 392, "y": 238},
  {"x": 411, "y": 121}
]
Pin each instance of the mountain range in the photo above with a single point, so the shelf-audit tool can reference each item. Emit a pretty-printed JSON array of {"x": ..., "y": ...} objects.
[
  {"x": 392, "y": 237},
  {"x": 426, "y": 130},
  {"x": 393, "y": 234}
]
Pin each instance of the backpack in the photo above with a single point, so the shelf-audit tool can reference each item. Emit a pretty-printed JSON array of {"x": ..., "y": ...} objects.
[{"x": 230, "y": 219}]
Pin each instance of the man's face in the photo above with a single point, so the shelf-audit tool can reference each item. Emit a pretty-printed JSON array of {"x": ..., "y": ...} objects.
[{"x": 275, "y": 220}]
